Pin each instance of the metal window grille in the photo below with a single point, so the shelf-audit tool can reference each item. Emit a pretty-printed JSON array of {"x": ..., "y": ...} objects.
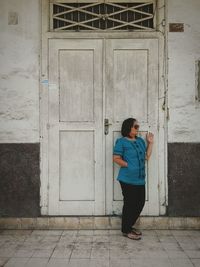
[{"x": 102, "y": 16}]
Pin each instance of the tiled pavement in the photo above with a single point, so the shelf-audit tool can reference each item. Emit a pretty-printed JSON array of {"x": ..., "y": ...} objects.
[{"x": 99, "y": 248}]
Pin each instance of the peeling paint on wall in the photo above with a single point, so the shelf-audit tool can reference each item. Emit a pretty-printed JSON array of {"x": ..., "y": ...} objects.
[
  {"x": 183, "y": 51},
  {"x": 19, "y": 71}
]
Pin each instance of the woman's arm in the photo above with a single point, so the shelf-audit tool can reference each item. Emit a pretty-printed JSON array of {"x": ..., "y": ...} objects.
[
  {"x": 149, "y": 145},
  {"x": 118, "y": 159}
]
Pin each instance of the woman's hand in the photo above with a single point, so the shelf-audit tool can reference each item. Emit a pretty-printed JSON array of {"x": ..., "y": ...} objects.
[
  {"x": 118, "y": 159},
  {"x": 150, "y": 138}
]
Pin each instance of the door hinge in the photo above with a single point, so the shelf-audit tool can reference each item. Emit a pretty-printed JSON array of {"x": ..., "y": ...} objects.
[{"x": 48, "y": 126}]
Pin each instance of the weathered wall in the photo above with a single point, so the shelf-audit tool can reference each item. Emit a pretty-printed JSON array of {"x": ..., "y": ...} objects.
[
  {"x": 19, "y": 107},
  {"x": 19, "y": 182},
  {"x": 183, "y": 51},
  {"x": 19, "y": 71},
  {"x": 20, "y": 27},
  {"x": 183, "y": 177},
  {"x": 184, "y": 110}
]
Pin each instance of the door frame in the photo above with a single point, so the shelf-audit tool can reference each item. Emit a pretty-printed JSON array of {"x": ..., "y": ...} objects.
[{"x": 43, "y": 106}]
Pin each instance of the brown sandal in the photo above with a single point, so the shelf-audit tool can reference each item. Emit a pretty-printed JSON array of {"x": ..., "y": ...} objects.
[
  {"x": 136, "y": 232},
  {"x": 132, "y": 236}
]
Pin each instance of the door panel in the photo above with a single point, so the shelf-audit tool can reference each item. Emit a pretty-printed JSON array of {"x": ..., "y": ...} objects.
[
  {"x": 82, "y": 176},
  {"x": 76, "y": 186},
  {"x": 127, "y": 67},
  {"x": 131, "y": 91},
  {"x": 77, "y": 166},
  {"x": 76, "y": 85}
]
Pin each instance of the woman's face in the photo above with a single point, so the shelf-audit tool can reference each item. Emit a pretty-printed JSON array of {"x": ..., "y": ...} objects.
[{"x": 134, "y": 130}]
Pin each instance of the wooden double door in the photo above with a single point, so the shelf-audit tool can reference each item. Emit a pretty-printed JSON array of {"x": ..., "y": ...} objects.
[{"x": 94, "y": 84}]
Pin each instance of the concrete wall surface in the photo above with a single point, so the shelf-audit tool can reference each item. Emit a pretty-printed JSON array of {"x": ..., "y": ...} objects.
[
  {"x": 20, "y": 43},
  {"x": 19, "y": 70},
  {"x": 183, "y": 51}
]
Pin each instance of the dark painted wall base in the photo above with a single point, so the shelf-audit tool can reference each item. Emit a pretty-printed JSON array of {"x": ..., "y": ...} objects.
[
  {"x": 184, "y": 179},
  {"x": 19, "y": 180}
]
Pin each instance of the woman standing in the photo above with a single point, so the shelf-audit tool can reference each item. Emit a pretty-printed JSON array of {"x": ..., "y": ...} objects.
[{"x": 130, "y": 152}]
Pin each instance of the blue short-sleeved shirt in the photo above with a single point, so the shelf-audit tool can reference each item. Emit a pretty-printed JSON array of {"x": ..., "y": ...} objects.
[{"x": 133, "y": 152}]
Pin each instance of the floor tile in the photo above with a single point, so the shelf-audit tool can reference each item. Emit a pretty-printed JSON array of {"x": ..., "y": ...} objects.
[
  {"x": 62, "y": 253},
  {"x": 55, "y": 232},
  {"x": 177, "y": 254},
  {"x": 149, "y": 233},
  {"x": 81, "y": 253},
  {"x": 183, "y": 239},
  {"x": 79, "y": 263},
  {"x": 47, "y": 245},
  {"x": 70, "y": 233},
  {"x": 42, "y": 253},
  {"x": 16, "y": 232},
  {"x": 151, "y": 263},
  {"x": 188, "y": 245},
  {"x": 99, "y": 248},
  {"x": 6, "y": 252},
  {"x": 99, "y": 263},
  {"x": 52, "y": 238},
  {"x": 3, "y": 260},
  {"x": 181, "y": 263},
  {"x": 118, "y": 238},
  {"x": 62, "y": 244},
  {"x": 101, "y": 232},
  {"x": 16, "y": 262},
  {"x": 171, "y": 246},
  {"x": 37, "y": 262},
  {"x": 34, "y": 238},
  {"x": 67, "y": 239},
  {"x": 183, "y": 232},
  {"x": 83, "y": 245},
  {"x": 196, "y": 262},
  {"x": 84, "y": 238},
  {"x": 120, "y": 263},
  {"x": 85, "y": 233},
  {"x": 193, "y": 254},
  {"x": 115, "y": 232},
  {"x": 40, "y": 232},
  {"x": 119, "y": 253},
  {"x": 101, "y": 245},
  {"x": 100, "y": 253},
  {"x": 101, "y": 238},
  {"x": 57, "y": 263},
  {"x": 164, "y": 232},
  {"x": 158, "y": 255},
  {"x": 168, "y": 239},
  {"x": 22, "y": 253}
]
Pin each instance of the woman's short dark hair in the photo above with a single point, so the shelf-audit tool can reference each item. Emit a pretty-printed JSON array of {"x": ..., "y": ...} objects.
[{"x": 126, "y": 126}]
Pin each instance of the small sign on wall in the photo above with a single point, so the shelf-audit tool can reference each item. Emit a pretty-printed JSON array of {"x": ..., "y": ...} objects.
[
  {"x": 176, "y": 27},
  {"x": 12, "y": 18}
]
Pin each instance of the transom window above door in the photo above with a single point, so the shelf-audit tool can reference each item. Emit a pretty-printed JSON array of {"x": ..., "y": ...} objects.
[{"x": 102, "y": 15}]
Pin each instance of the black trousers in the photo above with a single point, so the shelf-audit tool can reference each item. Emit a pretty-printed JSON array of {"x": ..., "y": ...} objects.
[{"x": 134, "y": 200}]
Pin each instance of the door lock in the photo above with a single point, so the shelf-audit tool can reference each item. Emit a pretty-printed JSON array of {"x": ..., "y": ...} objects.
[{"x": 106, "y": 126}]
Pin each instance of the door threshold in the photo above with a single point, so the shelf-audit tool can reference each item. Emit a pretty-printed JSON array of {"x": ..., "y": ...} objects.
[{"x": 98, "y": 222}]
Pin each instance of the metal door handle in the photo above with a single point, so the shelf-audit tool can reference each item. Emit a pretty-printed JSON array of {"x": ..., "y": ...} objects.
[{"x": 106, "y": 126}]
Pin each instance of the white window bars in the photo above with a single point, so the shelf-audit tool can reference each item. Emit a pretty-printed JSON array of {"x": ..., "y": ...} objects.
[{"x": 93, "y": 16}]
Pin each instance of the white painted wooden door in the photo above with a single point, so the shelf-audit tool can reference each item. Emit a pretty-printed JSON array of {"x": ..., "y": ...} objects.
[
  {"x": 89, "y": 82},
  {"x": 76, "y": 184},
  {"x": 131, "y": 91}
]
